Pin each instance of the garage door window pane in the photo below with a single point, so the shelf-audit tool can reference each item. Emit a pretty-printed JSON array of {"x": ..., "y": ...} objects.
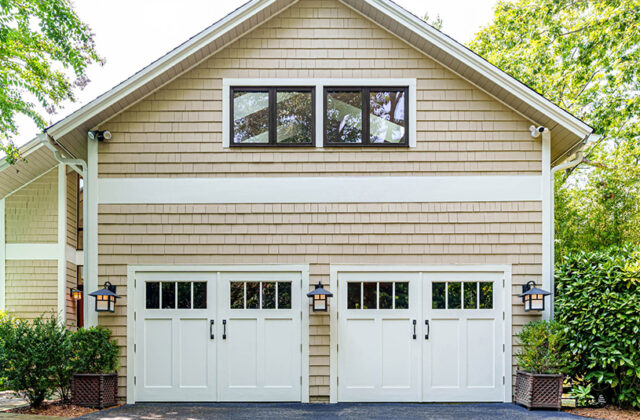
[
  {"x": 169, "y": 295},
  {"x": 184, "y": 295},
  {"x": 236, "y": 295},
  {"x": 253, "y": 295},
  {"x": 386, "y": 296},
  {"x": 486, "y": 295},
  {"x": 153, "y": 295},
  {"x": 402, "y": 295},
  {"x": 438, "y": 295},
  {"x": 471, "y": 295},
  {"x": 284, "y": 295},
  {"x": 353, "y": 295},
  {"x": 200, "y": 295},
  {"x": 268, "y": 295},
  {"x": 454, "y": 296},
  {"x": 369, "y": 296}
]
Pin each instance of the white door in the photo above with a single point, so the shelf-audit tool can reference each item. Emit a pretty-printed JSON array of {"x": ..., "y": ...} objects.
[
  {"x": 260, "y": 347},
  {"x": 463, "y": 354},
  {"x": 379, "y": 342},
  {"x": 175, "y": 352}
]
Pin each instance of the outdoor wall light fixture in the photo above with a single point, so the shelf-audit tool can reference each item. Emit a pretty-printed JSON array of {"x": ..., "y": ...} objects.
[
  {"x": 533, "y": 297},
  {"x": 104, "y": 135},
  {"x": 105, "y": 298},
  {"x": 319, "y": 298},
  {"x": 76, "y": 294}
]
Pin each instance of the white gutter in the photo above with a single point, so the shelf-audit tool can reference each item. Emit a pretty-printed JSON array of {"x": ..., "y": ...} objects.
[{"x": 80, "y": 166}]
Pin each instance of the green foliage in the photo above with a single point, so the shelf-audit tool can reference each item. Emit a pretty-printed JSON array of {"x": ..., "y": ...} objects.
[
  {"x": 93, "y": 351},
  {"x": 582, "y": 394},
  {"x": 542, "y": 345},
  {"x": 582, "y": 55},
  {"x": 42, "y": 44},
  {"x": 598, "y": 302},
  {"x": 33, "y": 356}
]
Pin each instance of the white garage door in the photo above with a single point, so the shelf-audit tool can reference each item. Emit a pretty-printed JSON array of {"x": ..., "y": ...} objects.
[
  {"x": 420, "y": 336},
  {"x": 218, "y": 336}
]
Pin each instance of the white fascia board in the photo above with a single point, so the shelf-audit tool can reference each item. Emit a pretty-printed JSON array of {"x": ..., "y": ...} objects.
[
  {"x": 32, "y": 251},
  {"x": 400, "y": 189},
  {"x": 319, "y": 84},
  {"x": 488, "y": 70},
  {"x": 154, "y": 69}
]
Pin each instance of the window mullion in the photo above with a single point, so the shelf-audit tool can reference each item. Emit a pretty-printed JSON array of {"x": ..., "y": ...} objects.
[{"x": 365, "y": 116}]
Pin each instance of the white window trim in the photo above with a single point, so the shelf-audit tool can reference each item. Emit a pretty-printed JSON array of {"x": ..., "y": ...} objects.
[
  {"x": 303, "y": 269},
  {"x": 334, "y": 270},
  {"x": 319, "y": 85}
]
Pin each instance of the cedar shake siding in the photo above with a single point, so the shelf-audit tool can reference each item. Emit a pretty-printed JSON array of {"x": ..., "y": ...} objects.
[{"x": 31, "y": 288}]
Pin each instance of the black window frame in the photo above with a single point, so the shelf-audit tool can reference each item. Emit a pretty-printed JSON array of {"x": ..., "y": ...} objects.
[
  {"x": 366, "y": 107},
  {"x": 273, "y": 114}
]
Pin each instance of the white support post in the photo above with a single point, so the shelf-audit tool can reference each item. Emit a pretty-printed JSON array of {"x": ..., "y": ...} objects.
[
  {"x": 91, "y": 232},
  {"x": 547, "y": 222},
  {"x": 62, "y": 240},
  {"x": 3, "y": 267}
]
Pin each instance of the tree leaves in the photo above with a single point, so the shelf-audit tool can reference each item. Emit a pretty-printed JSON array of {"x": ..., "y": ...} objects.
[{"x": 43, "y": 44}]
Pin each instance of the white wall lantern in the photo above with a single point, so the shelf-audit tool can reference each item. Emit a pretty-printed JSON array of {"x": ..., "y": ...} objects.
[
  {"x": 533, "y": 297},
  {"x": 320, "y": 296}
]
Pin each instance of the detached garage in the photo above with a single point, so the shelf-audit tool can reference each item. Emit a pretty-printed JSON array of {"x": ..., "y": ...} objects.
[{"x": 421, "y": 334}]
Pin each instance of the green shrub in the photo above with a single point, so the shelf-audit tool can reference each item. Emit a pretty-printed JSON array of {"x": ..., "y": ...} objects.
[
  {"x": 542, "y": 348},
  {"x": 598, "y": 302},
  {"x": 93, "y": 351},
  {"x": 35, "y": 357}
]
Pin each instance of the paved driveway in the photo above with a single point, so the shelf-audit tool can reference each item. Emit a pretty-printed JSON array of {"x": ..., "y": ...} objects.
[{"x": 325, "y": 411}]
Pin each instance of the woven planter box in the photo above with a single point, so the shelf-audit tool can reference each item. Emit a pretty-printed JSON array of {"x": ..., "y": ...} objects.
[
  {"x": 96, "y": 390},
  {"x": 537, "y": 390}
]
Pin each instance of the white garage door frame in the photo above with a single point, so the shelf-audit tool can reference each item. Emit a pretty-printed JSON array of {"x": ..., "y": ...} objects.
[
  {"x": 303, "y": 269},
  {"x": 506, "y": 270}
]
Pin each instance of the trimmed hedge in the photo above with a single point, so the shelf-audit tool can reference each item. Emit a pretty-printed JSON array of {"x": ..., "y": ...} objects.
[
  {"x": 542, "y": 348},
  {"x": 598, "y": 302}
]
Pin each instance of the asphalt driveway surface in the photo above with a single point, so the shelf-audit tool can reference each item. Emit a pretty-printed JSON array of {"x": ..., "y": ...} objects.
[{"x": 381, "y": 411}]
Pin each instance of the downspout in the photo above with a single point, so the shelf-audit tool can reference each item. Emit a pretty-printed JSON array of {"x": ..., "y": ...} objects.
[{"x": 80, "y": 166}]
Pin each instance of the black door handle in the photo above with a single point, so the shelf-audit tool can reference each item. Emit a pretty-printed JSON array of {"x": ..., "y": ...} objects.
[
  {"x": 426, "y": 323},
  {"x": 211, "y": 328},
  {"x": 414, "y": 329},
  {"x": 224, "y": 329}
]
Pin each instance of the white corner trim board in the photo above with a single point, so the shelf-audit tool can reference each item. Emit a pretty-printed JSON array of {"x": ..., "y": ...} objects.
[
  {"x": 401, "y": 189},
  {"x": 319, "y": 85}
]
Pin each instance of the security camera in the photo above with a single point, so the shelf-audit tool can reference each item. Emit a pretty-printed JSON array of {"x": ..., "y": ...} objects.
[
  {"x": 104, "y": 135},
  {"x": 535, "y": 131}
]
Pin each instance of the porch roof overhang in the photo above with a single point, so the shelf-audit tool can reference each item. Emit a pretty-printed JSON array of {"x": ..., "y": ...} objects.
[
  {"x": 38, "y": 161},
  {"x": 568, "y": 132}
]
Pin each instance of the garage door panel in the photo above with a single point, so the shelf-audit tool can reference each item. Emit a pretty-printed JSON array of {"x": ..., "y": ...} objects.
[
  {"x": 481, "y": 364},
  {"x": 396, "y": 353},
  {"x": 158, "y": 353},
  {"x": 361, "y": 336},
  {"x": 194, "y": 358},
  {"x": 445, "y": 353},
  {"x": 242, "y": 353},
  {"x": 279, "y": 369}
]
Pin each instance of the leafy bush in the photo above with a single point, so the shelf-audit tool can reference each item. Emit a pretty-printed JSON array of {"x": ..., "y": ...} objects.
[
  {"x": 598, "y": 302},
  {"x": 93, "y": 351},
  {"x": 34, "y": 357},
  {"x": 542, "y": 348}
]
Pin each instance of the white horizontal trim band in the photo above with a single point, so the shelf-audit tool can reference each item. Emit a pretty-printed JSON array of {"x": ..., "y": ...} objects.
[
  {"x": 401, "y": 189},
  {"x": 32, "y": 251}
]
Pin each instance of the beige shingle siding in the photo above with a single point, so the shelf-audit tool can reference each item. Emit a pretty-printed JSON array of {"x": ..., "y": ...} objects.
[
  {"x": 31, "y": 212},
  {"x": 177, "y": 131},
  {"x": 31, "y": 288},
  {"x": 319, "y": 235}
]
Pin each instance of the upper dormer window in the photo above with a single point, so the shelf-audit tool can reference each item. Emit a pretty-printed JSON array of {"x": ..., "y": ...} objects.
[
  {"x": 272, "y": 116},
  {"x": 366, "y": 116}
]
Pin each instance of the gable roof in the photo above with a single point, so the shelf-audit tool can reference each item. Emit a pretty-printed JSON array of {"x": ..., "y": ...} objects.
[
  {"x": 568, "y": 132},
  {"x": 39, "y": 160}
]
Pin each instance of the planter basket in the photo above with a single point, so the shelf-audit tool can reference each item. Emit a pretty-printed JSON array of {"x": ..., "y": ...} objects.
[
  {"x": 535, "y": 390},
  {"x": 97, "y": 390}
]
